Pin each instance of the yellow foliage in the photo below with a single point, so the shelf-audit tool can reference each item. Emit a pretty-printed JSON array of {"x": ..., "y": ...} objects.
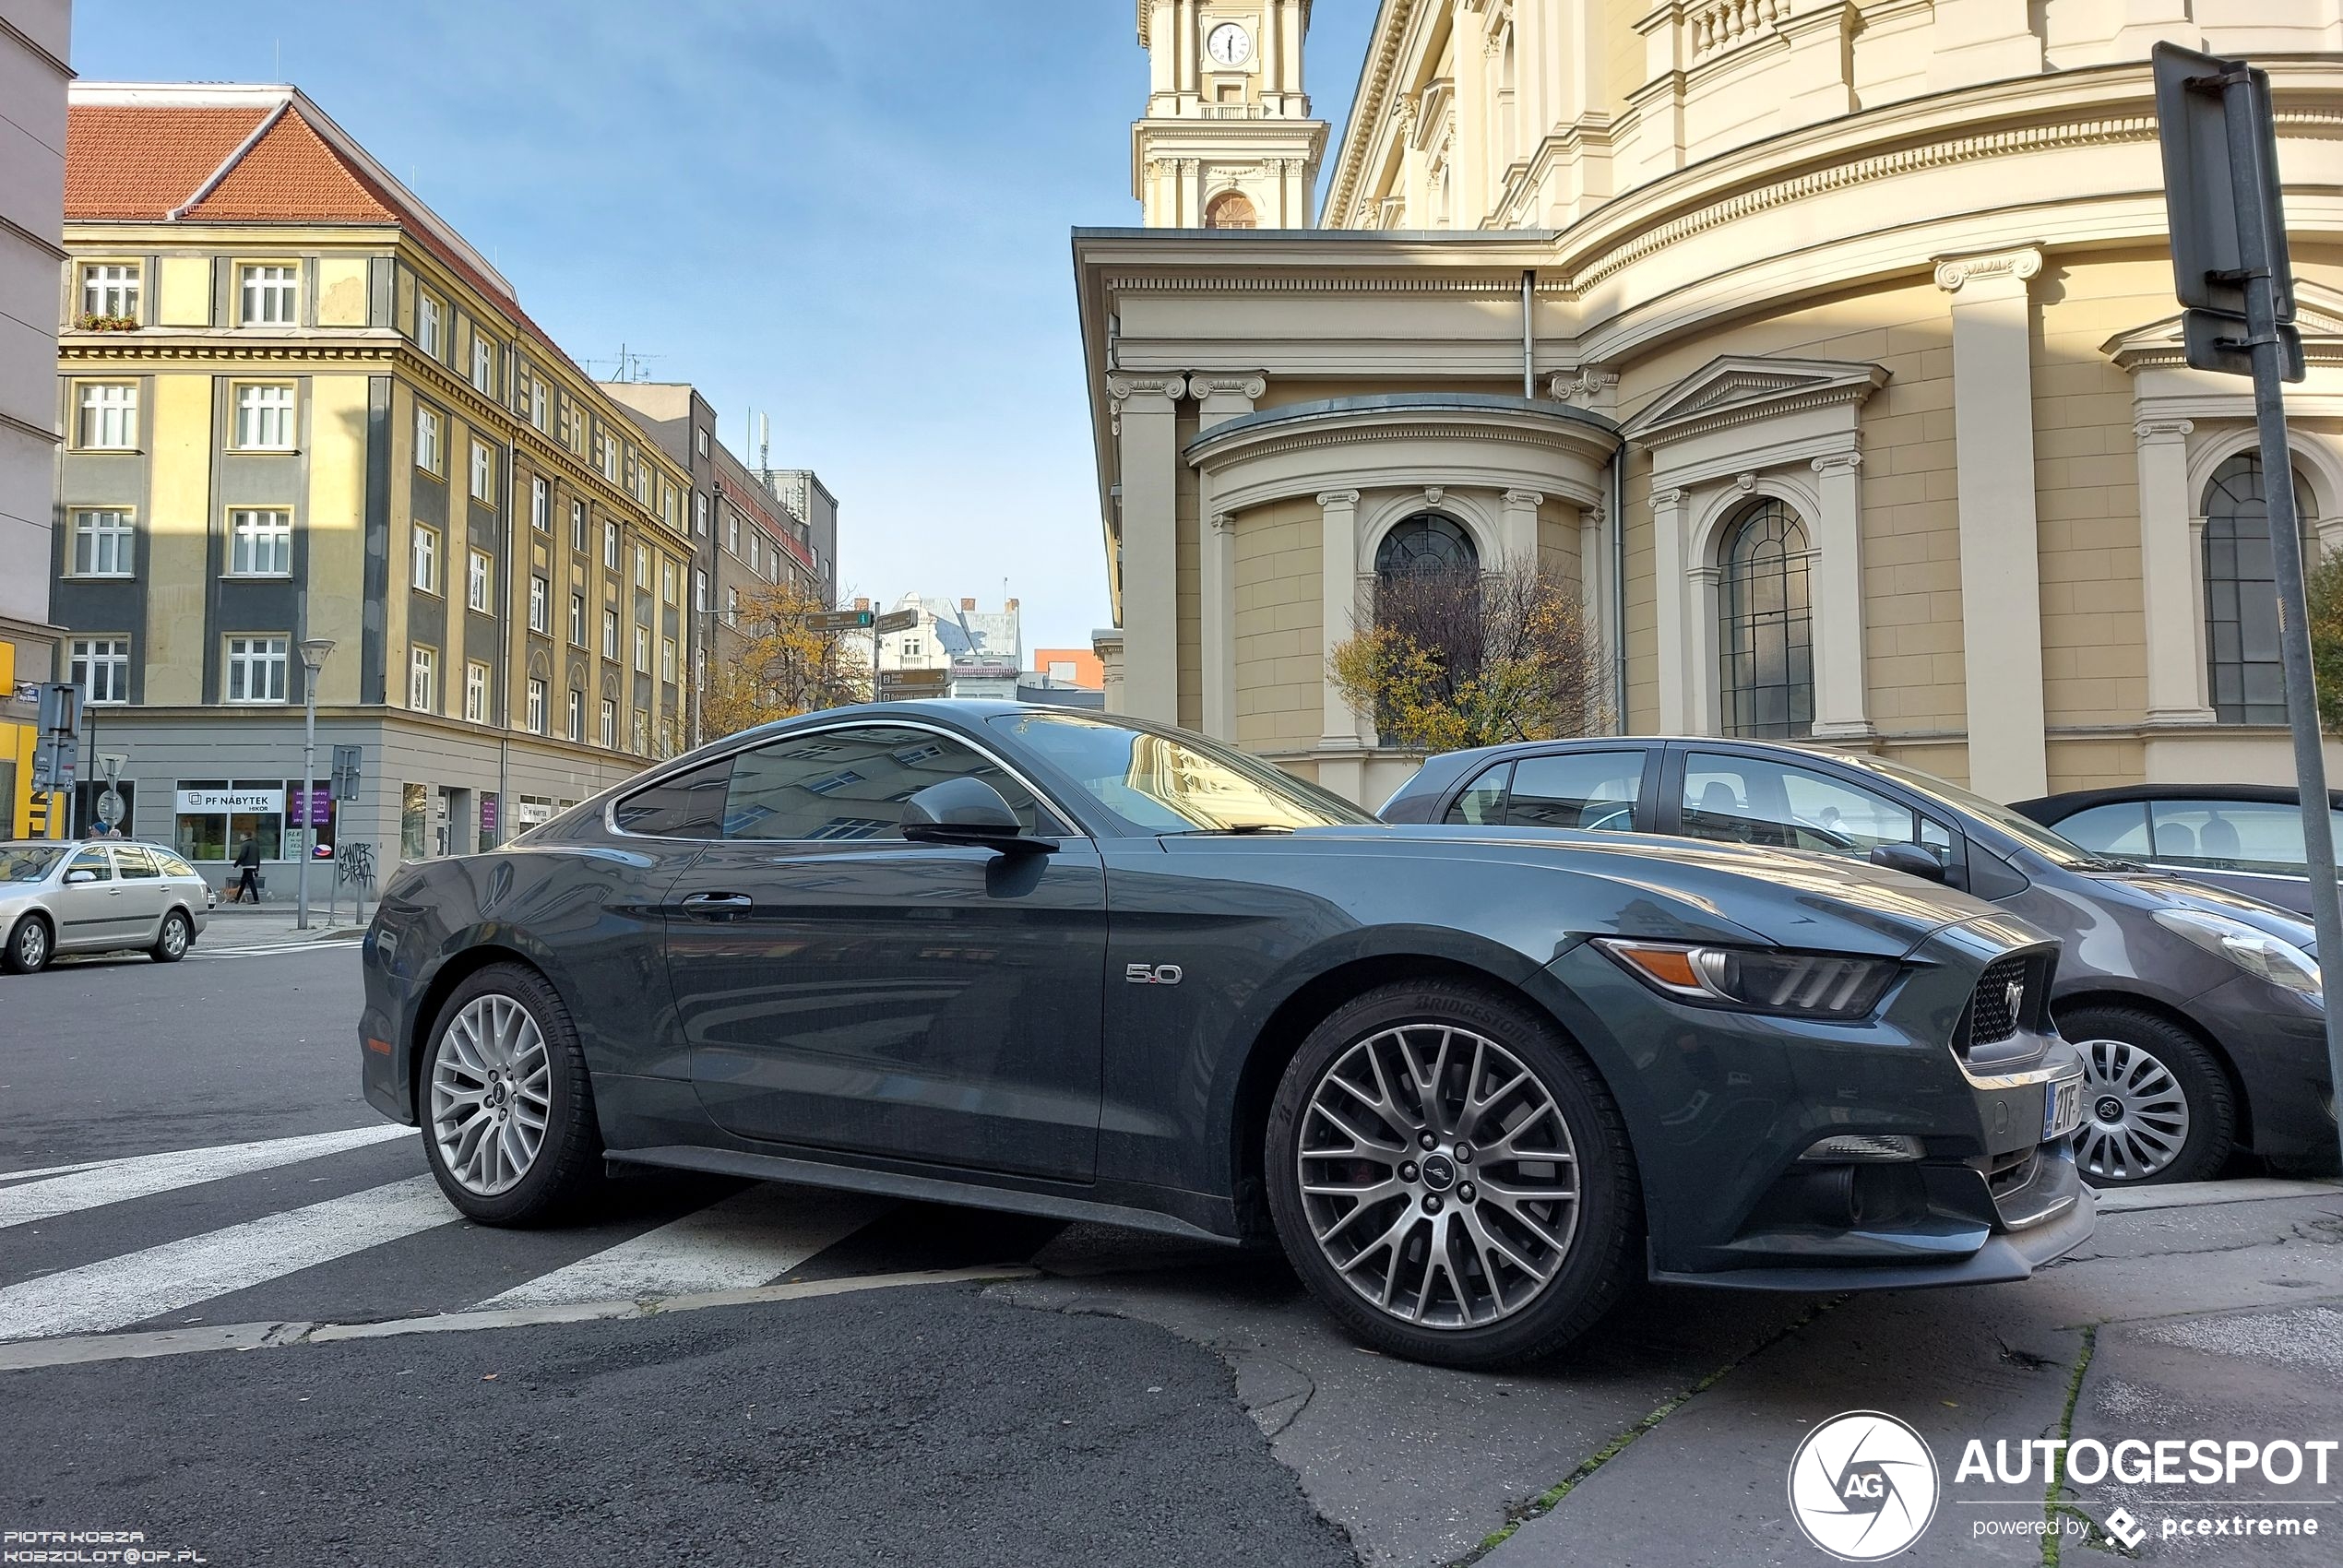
[{"x": 777, "y": 663}]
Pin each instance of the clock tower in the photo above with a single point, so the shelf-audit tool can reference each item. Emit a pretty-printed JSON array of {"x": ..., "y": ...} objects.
[{"x": 1227, "y": 141}]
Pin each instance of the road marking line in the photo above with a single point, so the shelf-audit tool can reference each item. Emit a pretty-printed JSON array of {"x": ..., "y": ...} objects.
[
  {"x": 36, "y": 1171},
  {"x": 165, "y": 1279},
  {"x": 264, "y": 950},
  {"x": 143, "y": 1175},
  {"x": 2196, "y": 1195},
  {"x": 82, "y": 1349},
  {"x": 743, "y": 1240}
]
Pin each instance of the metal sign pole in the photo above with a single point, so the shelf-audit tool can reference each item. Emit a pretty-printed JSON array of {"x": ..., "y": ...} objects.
[{"x": 2243, "y": 97}]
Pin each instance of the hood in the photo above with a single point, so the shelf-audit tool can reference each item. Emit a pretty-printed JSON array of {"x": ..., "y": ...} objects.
[
  {"x": 1695, "y": 889},
  {"x": 2156, "y": 890}
]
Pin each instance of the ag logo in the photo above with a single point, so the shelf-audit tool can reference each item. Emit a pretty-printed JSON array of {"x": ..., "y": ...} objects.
[
  {"x": 1862, "y": 1486},
  {"x": 1152, "y": 974}
]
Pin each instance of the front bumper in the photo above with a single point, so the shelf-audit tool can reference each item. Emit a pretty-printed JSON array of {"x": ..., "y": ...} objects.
[
  {"x": 2277, "y": 1041},
  {"x": 1722, "y": 1107}
]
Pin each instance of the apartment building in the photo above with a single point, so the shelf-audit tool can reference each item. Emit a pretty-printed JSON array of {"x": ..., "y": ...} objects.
[{"x": 300, "y": 406}]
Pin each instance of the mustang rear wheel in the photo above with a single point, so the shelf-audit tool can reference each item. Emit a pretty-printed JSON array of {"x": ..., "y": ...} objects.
[
  {"x": 1449, "y": 1177},
  {"x": 509, "y": 1110}
]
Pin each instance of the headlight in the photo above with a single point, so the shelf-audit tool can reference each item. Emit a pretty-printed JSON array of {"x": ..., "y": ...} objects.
[
  {"x": 1797, "y": 985},
  {"x": 2257, "y": 952}
]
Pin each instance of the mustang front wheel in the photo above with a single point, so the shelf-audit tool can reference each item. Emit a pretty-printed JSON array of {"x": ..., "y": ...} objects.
[{"x": 1449, "y": 1176}]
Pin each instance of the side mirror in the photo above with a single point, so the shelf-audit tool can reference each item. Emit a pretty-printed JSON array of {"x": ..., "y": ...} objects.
[
  {"x": 1909, "y": 859},
  {"x": 968, "y": 811},
  {"x": 75, "y": 878}
]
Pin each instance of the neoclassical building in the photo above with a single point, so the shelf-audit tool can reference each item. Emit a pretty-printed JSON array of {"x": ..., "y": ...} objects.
[{"x": 1828, "y": 350}]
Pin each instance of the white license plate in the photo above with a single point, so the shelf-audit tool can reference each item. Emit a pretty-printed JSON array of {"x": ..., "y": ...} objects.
[{"x": 2062, "y": 1109}]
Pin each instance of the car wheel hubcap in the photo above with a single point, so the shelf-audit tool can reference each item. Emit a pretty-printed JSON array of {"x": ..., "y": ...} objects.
[
  {"x": 491, "y": 1095},
  {"x": 33, "y": 945},
  {"x": 174, "y": 937},
  {"x": 2138, "y": 1120},
  {"x": 1385, "y": 1140}
]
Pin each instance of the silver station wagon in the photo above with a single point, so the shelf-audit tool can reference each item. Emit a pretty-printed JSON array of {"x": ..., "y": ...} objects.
[{"x": 102, "y": 895}]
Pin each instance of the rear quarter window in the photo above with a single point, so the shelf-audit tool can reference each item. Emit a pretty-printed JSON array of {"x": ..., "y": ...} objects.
[{"x": 687, "y": 805}]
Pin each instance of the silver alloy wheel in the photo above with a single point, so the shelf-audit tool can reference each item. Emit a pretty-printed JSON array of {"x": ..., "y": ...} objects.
[
  {"x": 33, "y": 944},
  {"x": 490, "y": 1094},
  {"x": 1438, "y": 1176},
  {"x": 2135, "y": 1118},
  {"x": 174, "y": 934}
]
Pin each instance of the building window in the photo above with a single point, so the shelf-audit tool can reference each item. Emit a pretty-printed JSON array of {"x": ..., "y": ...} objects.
[
  {"x": 699, "y": 510},
  {"x": 265, "y": 418},
  {"x": 1765, "y": 639},
  {"x": 541, "y": 610},
  {"x": 269, "y": 296},
  {"x": 642, "y": 478},
  {"x": 642, "y": 650},
  {"x": 670, "y": 507},
  {"x": 259, "y": 544},
  {"x": 1425, "y": 543},
  {"x": 609, "y": 546},
  {"x": 101, "y": 544},
  {"x": 109, "y": 290},
  {"x": 483, "y": 367},
  {"x": 755, "y": 552},
  {"x": 424, "y": 557},
  {"x": 483, "y": 474},
  {"x": 480, "y": 580},
  {"x": 1232, "y": 209},
  {"x": 537, "y": 403},
  {"x": 2244, "y": 677},
  {"x": 576, "y": 714},
  {"x": 700, "y": 591},
  {"x": 610, "y": 633},
  {"x": 578, "y": 526},
  {"x": 256, "y": 669},
  {"x": 101, "y": 669},
  {"x": 109, "y": 419},
  {"x": 427, "y": 317},
  {"x": 536, "y": 706},
  {"x": 667, "y": 659},
  {"x": 702, "y": 441},
  {"x": 422, "y": 679},
  {"x": 427, "y": 441},
  {"x": 607, "y": 451},
  {"x": 642, "y": 568},
  {"x": 476, "y": 692},
  {"x": 667, "y": 580},
  {"x": 541, "y": 505},
  {"x": 578, "y": 620},
  {"x": 733, "y": 534},
  {"x": 610, "y": 724}
]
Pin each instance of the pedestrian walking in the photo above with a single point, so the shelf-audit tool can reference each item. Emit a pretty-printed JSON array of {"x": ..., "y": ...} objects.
[{"x": 247, "y": 889}]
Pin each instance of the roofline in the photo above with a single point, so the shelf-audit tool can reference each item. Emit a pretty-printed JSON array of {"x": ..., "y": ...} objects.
[
  {"x": 1399, "y": 403},
  {"x": 1460, "y": 237}
]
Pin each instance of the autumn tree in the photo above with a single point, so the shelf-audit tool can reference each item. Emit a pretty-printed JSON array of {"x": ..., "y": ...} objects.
[
  {"x": 2326, "y": 594},
  {"x": 769, "y": 659},
  {"x": 1446, "y": 657}
]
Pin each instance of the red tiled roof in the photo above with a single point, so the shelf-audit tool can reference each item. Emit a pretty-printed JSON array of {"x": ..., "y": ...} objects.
[
  {"x": 139, "y": 162},
  {"x": 289, "y": 174}
]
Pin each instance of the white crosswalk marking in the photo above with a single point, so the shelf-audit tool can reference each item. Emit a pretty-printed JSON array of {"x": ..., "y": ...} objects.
[
  {"x": 139, "y": 1176},
  {"x": 747, "y": 1240},
  {"x": 176, "y": 1275}
]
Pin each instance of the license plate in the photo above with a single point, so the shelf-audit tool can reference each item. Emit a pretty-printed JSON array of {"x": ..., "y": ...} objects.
[{"x": 2062, "y": 1109}]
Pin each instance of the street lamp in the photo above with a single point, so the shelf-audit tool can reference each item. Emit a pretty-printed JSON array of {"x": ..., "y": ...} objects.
[{"x": 313, "y": 659}]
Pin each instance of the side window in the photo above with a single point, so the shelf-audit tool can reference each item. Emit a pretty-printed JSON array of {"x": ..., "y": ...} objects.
[
  {"x": 2252, "y": 835},
  {"x": 1593, "y": 790},
  {"x": 853, "y": 783},
  {"x": 136, "y": 864},
  {"x": 689, "y": 805},
  {"x": 2120, "y": 828},
  {"x": 1753, "y": 801},
  {"x": 174, "y": 864},
  {"x": 1483, "y": 802},
  {"x": 92, "y": 859}
]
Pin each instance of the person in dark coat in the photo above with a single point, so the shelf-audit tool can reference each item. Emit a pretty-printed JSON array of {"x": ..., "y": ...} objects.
[{"x": 247, "y": 889}]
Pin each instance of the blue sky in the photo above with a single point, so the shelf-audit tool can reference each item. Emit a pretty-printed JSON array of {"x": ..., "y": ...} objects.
[{"x": 852, "y": 218}]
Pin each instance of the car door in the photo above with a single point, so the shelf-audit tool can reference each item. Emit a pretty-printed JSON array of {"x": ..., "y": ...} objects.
[
  {"x": 842, "y": 988},
  {"x": 144, "y": 893},
  {"x": 89, "y": 909},
  {"x": 1765, "y": 798}
]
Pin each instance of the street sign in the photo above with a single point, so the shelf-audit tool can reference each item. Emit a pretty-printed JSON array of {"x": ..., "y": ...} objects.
[
  {"x": 112, "y": 763},
  {"x": 52, "y": 764},
  {"x": 896, "y": 621},
  {"x": 108, "y": 807},
  {"x": 61, "y": 708},
  {"x": 348, "y": 762},
  {"x": 2226, "y": 209},
  {"x": 906, "y": 684},
  {"x": 843, "y": 621}
]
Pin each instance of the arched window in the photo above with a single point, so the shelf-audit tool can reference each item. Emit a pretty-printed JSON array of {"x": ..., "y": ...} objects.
[
  {"x": 1232, "y": 209},
  {"x": 1766, "y": 631},
  {"x": 2243, "y": 675},
  {"x": 1424, "y": 543}
]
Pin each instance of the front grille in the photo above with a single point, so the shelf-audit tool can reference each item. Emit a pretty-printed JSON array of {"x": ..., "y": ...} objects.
[
  {"x": 2004, "y": 999},
  {"x": 2011, "y": 1172}
]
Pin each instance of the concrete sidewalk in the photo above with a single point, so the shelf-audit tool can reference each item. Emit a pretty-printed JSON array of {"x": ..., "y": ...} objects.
[{"x": 272, "y": 924}]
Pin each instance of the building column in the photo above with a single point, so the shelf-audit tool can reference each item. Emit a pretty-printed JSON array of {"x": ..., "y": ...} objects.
[
  {"x": 2000, "y": 575},
  {"x": 1220, "y": 399},
  {"x": 1703, "y": 708},
  {"x": 1668, "y": 606},
  {"x": 1517, "y": 528},
  {"x": 1147, "y": 437},
  {"x": 2169, "y": 547},
  {"x": 1338, "y": 609},
  {"x": 1840, "y": 713}
]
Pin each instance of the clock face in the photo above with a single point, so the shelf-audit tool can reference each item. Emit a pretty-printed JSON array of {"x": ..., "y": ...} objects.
[{"x": 1230, "y": 44}]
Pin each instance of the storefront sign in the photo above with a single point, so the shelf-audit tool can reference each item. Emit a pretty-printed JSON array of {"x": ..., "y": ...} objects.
[
  {"x": 321, "y": 803},
  {"x": 193, "y": 801}
]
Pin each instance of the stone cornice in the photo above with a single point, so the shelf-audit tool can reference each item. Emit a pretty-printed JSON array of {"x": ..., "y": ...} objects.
[
  {"x": 1505, "y": 285},
  {"x": 2021, "y": 265},
  {"x": 26, "y": 427},
  {"x": 1735, "y": 389},
  {"x": 1365, "y": 126}
]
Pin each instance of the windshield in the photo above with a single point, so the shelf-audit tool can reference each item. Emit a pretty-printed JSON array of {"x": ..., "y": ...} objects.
[
  {"x": 29, "y": 862},
  {"x": 1175, "y": 783},
  {"x": 2026, "y": 830}
]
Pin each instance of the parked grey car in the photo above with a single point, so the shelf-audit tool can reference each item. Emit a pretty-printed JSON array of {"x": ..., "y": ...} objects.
[
  {"x": 101, "y": 895},
  {"x": 2199, "y": 1013},
  {"x": 1473, "y": 1082},
  {"x": 2245, "y": 837}
]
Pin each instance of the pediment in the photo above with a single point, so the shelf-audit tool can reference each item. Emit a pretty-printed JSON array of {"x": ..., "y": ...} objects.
[
  {"x": 1735, "y": 388},
  {"x": 2318, "y": 314}
]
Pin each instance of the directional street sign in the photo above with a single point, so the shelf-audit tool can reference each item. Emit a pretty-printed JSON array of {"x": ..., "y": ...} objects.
[
  {"x": 910, "y": 683},
  {"x": 843, "y": 621},
  {"x": 896, "y": 621},
  {"x": 347, "y": 762}
]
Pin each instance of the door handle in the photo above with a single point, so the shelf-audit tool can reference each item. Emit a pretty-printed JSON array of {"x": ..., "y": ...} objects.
[{"x": 717, "y": 903}]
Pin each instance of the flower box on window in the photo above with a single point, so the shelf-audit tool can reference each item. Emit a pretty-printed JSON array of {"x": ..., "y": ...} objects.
[{"x": 88, "y": 323}]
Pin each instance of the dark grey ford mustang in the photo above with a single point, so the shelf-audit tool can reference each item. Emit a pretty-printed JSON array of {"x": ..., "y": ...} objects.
[{"x": 1102, "y": 969}]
